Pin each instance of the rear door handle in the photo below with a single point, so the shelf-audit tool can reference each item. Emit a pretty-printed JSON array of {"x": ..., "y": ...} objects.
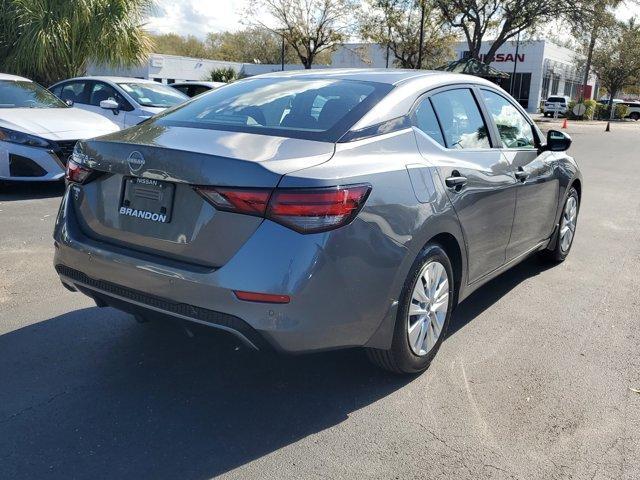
[
  {"x": 456, "y": 181},
  {"x": 521, "y": 174}
]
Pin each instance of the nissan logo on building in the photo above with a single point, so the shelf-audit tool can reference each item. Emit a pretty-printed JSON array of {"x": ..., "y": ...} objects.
[{"x": 135, "y": 161}]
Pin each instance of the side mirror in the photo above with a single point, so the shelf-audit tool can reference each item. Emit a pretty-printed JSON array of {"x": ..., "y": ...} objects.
[
  {"x": 69, "y": 102},
  {"x": 109, "y": 104},
  {"x": 557, "y": 141}
]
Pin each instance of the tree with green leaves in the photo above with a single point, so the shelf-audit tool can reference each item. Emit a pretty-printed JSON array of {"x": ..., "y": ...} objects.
[
  {"x": 250, "y": 45},
  {"x": 174, "y": 44},
  {"x": 615, "y": 58},
  {"x": 309, "y": 27},
  {"x": 394, "y": 24},
  {"x": 49, "y": 40},
  {"x": 501, "y": 20}
]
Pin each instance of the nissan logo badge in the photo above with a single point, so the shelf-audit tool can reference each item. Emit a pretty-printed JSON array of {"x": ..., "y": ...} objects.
[{"x": 136, "y": 161}]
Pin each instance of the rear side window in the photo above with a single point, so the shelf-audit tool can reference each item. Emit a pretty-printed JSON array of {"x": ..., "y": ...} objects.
[
  {"x": 462, "y": 124},
  {"x": 77, "y": 92},
  {"x": 311, "y": 108},
  {"x": 425, "y": 119},
  {"x": 515, "y": 131}
]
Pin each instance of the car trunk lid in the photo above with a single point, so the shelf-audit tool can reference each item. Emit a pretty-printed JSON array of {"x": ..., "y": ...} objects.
[{"x": 146, "y": 200}]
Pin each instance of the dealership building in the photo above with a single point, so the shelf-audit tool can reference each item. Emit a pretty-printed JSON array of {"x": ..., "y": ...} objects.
[{"x": 542, "y": 68}]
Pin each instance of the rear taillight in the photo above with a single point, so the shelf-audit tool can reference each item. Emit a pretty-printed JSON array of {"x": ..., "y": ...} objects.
[
  {"x": 305, "y": 210},
  {"x": 317, "y": 210},
  {"x": 250, "y": 201},
  {"x": 77, "y": 173}
]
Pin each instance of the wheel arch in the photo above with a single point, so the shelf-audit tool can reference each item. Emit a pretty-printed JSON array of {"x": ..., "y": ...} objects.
[{"x": 452, "y": 248}]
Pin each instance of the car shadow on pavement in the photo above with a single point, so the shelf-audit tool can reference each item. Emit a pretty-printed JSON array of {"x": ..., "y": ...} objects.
[
  {"x": 490, "y": 293},
  {"x": 92, "y": 394},
  {"x": 12, "y": 191}
]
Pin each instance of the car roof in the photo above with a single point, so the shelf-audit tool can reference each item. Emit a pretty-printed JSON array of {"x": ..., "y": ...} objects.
[
  {"x": 198, "y": 82},
  {"x": 392, "y": 76},
  {"x": 15, "y": 78},
  {"x": 113, "y": 79}
]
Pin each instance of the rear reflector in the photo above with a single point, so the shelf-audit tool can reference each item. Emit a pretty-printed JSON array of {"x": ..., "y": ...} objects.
[
  {"x": 261, "y": 297},
  {"x": 305, "y": 210}
]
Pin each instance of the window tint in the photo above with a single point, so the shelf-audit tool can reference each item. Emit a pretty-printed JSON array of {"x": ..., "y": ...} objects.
[
  {"x": 515, "y": 131},
  {"x": 557, "y": 100},
  {"x": 318, "y": 109},
  {"x": 102, "y": 91},
  {"x": 460, "y": 118},
  {"x": 198, "y": 89},
  {"x": 77, "y": 92},
  {"x": 425, "y": 119},
  {"x": 184, "y": 89}
]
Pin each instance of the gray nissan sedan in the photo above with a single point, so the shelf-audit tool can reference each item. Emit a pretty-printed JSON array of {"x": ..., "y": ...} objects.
[{"x": 306, "y": 211}]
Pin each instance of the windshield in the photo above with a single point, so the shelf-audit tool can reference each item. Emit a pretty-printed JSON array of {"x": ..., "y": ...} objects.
[
  {"x": 316, "y": 109},
  {"x": 557, "y": 99},
  {"x": 154, "y": 94},
  {"x": 23, "y": 94}
]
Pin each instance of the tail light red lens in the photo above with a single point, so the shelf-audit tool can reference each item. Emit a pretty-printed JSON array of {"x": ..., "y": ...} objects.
[
  {"x": 305, "y": 210},
  {"x": 248, "y": 201},
  {"x": 77, "y": 173},
  {"x": 317, "y": 210}
]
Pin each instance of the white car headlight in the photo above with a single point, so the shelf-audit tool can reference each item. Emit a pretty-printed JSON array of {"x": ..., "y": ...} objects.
[{"x": 22, "y": 138}]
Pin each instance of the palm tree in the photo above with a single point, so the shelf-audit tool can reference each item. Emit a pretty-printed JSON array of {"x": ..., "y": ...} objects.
[{"x": 49, "y": 40}]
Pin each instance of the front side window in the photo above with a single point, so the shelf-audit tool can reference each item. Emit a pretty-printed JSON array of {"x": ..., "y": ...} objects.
[
  {"x": 462, "y": 124},
  {"x": 154, "y": 94},
  {"x": 515, "y": 131},
  {"x": 425, "y": 119},
  {"x": 102, "y": 91},
  {"x": 23, "y": 94},
  {"x": 317, "y": 109}
]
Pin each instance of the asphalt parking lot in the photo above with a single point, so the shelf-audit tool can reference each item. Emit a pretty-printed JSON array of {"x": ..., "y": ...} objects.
[{"x": 534, "y": 381}]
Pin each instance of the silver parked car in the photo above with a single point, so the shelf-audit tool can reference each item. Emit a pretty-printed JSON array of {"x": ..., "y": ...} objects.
[{"x": 317, "y": 210}]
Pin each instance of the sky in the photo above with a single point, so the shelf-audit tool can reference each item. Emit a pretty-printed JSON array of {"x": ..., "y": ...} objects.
[{"x": 199, "y": 17}]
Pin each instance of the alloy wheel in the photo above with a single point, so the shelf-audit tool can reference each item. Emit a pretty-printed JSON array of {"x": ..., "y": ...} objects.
[
  {"x": 568, "y": 223},
  {"x": 428, "y": 308}
]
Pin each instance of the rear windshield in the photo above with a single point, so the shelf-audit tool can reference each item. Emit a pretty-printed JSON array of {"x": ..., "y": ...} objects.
[
  {"x": 557, "y": 99},
  {"x": 23, "y": 94},
  {"x": 320, "y": 109}
]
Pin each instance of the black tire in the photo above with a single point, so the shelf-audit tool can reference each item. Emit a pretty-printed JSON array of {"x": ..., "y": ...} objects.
[
  {"x": 400, "y": 358},
  {"x": 556, "y": 253},
  {"x": 634, "y": 116}
]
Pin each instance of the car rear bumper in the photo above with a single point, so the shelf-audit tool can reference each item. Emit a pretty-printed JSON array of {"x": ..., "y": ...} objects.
[
  {"x": 343, "y": 284},
  {"x": 22, "y": 163}
]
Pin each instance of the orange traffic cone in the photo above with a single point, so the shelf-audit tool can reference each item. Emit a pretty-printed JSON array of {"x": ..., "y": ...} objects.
[{"x": 564, "y": 124}]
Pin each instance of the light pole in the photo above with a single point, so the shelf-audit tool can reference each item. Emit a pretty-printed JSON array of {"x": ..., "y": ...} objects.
[
  {"x": 419, "y": 65},
  {"x": 282, "y": 52},
  {"x": 515, "y": 69}
]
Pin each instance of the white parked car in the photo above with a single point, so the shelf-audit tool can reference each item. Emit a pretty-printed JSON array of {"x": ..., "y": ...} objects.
[
  {"x": 38, "y": 131},
  {"x": 634, "y": 110},
  {"x": 126, "y": 101},
  {"x": 191, "y": 89},
  {"x": 556, "y": 105}
]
